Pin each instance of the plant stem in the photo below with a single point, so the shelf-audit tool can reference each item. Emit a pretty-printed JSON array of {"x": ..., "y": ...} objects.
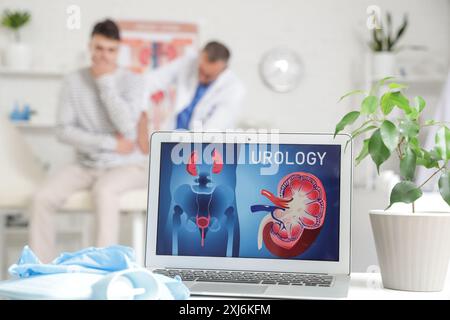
[
  {"x": 423, "y": 183},
  {"x": 399, "y": 150},
  {"x": 436, "y": 172}
]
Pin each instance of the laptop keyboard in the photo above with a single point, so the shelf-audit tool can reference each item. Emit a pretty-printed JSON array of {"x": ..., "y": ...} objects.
[{"x": 270, "y": 278}]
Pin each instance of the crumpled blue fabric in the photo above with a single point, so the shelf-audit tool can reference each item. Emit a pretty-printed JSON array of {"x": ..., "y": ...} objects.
[
  {"x": 90, "y": 260},
  {"x": 107, "y": 263}
]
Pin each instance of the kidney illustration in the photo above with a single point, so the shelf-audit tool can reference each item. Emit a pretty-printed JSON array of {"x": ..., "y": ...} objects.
[{"x": 295, "y": 217}]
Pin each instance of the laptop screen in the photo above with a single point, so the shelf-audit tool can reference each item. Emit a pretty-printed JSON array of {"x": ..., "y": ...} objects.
[{"x": 241, "y": 200}]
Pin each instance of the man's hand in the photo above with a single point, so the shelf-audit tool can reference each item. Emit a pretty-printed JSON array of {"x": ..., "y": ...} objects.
[
  {"x": 124, "y": 146},
  {"x": 142, "y": 133}
]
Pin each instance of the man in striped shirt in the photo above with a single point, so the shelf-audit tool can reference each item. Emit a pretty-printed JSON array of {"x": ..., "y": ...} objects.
[{"x": 98, "y": 115}]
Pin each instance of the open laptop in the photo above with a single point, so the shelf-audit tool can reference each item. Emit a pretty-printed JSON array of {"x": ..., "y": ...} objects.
[{"x": 251, "y": 214}]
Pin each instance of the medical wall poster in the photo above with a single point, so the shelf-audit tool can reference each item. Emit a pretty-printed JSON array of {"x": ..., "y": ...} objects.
[
  {"x": 242, "y": 201},
  {"x": 147, "y": 45}
]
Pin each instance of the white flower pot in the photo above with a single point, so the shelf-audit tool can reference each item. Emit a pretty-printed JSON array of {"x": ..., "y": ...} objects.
[
  {"x": 383, "y": 65},
  {"x": 18, "y": 56},
  {"x": 413, "y": 249}
]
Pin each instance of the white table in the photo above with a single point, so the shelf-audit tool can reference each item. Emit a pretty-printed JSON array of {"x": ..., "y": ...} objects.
[{"x": 368, "y": 286}]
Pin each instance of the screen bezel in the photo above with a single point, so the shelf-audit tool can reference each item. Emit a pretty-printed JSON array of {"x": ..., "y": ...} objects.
[{"x": 152, "y": 260}]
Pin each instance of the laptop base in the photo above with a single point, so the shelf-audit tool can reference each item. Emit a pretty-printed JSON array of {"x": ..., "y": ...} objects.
[{"x": 241, "y": 290}]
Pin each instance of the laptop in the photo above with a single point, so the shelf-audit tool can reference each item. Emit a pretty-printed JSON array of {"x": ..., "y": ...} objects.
[{"x": 263, "y": 215}]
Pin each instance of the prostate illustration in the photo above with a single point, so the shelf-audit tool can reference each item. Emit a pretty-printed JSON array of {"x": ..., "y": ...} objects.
[
  {"x": 295, "y": 216},
  {"x": 204, "y": 217}
]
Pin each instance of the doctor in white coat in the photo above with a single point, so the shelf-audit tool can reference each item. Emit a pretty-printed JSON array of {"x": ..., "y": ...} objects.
[{"x": 208, "y": 94}]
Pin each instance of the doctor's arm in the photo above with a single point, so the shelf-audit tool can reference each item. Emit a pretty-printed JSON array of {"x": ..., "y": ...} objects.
[
  {"x": 162, "y": 77},
  {"x": 68, "y": 131}
]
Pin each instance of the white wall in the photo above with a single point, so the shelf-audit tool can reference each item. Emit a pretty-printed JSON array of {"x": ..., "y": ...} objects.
[{"x": 328, "y": 34}]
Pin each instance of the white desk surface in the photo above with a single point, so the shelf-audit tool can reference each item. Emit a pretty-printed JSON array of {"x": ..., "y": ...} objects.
[
  {"x": 368, "y": 286},
  {"x": 364, "y": 286}
]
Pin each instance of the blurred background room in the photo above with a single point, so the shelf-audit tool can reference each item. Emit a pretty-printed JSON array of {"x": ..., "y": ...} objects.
[{"x": 322, "y": 48}]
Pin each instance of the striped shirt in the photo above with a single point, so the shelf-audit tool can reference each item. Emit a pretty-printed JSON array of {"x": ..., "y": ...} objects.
[{"x": 92, "y": 111}]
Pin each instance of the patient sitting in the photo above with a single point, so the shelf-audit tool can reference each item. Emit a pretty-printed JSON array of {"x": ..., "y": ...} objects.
[{"x": 99, "y": 114}]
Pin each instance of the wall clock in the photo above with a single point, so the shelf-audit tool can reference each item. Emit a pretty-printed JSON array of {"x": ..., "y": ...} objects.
[{"x": 281, "y": 69}]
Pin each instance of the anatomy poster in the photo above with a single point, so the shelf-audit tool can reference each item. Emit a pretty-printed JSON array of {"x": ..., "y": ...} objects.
[
  {"x": 240, "y": 201},
  {"x": 147, "y": 45}
]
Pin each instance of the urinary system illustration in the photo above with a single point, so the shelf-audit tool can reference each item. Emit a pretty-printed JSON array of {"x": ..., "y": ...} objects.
[{"x": 204, "y": 217}]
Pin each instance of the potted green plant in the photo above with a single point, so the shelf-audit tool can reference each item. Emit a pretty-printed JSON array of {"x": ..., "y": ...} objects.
[
  {"x": 384, "y": 44},
  {"x": 18, "y": 54},
  {"x": 413, "y": 248}
]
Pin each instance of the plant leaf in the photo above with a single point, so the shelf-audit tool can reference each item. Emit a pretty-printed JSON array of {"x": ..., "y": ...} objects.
[
  {"x": 364, "y": 128},
  {"x": 15, "y": 19},
  {"x": 404, "y": 191},
  {"x": 351, "y": 93},
  {"x": 409, "y": 128},
  {"x": 346, "y": 120},
  {"x": 389, "y": 134},
  {"x": 381, "y": 36},
  {"x": 394, "y": 99},
  {"x": 442, "y": 140},
  {"x": 389, "y": 28},
  {"x": 384, "y": 80},
  {"x": 408, "y": 164},
  {"x": 401, "y": 31},
  {"x": 379, "y": 84},
  {"x": 377, "y": 150},
  {"x": 415, "y": 145},
  {"x": 364, "y": 152},
  {"x": 416, "y": 109},
  {"x": 413, "y": 114},
  {"x": 394, "y": 85},
  {"x": 420, "y": 103},
  {"x": 427, "y": 161},
  {"x": 376, "y": 44},
  {"x": 369, "y": 105},
  {"x": 386, "y": 105},
  {"x": 444, "y": 186}
]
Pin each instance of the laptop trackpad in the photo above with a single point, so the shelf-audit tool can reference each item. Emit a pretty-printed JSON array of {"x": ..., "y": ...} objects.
[{"x": 228, "y": 288}]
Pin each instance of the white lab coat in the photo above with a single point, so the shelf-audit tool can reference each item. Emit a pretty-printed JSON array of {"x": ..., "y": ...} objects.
[{"x": 217, "y": 110}]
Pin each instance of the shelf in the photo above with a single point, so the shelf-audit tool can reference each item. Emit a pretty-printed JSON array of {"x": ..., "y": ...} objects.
[
  {"x": 34, "y": 125},
  {"x": 31, "y": 72},
  {"x": 16, "y": 229}
]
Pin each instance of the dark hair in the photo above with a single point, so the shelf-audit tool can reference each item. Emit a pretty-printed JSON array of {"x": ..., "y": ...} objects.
[
  {"x": 106, "y": 28},
  {"x": 217, "y": 51}
]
